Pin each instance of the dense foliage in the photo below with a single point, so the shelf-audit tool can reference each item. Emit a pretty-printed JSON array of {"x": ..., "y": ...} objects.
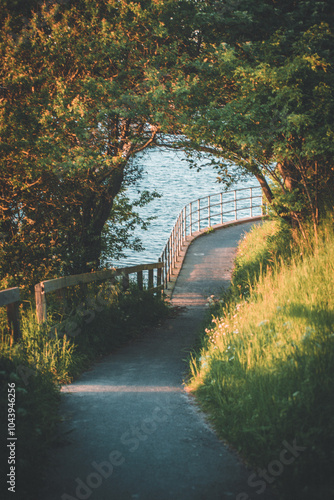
[
  {"x": 263, "y": 91},
  {"x": 82, "y": 89}
]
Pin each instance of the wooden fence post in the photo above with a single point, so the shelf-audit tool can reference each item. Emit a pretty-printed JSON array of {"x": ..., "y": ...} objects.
[
  {"x": 150, "y": 278},
  {"x": 10, "y": 298},
  {"x": 41, "y": 311},
  {"x": 13, "y": 318},
  {"x": 159, "y": 280},
  {"x": 140, "y": 279}
]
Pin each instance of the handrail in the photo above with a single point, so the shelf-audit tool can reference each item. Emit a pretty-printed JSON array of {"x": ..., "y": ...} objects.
[
  {"x": 196, "y": 217},
  {"x": 56, "y": 284}
]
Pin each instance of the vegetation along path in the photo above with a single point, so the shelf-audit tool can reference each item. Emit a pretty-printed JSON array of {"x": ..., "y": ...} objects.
[{"x": 130, "y": 430}]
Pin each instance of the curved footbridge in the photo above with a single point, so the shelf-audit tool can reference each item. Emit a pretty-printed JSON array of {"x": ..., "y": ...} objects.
[{"x": 130, "y": 431}]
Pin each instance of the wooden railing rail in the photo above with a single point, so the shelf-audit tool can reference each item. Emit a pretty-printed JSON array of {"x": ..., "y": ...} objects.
[
  {"x": 44, "y": 287},
  {"x": 209, "y": 211},
  {"x": 11, "y": 299}
]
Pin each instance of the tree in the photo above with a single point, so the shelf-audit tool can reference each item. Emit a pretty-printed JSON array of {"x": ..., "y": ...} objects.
[
  {"x": 263, "y": 93},
  {"x": 83, "y": 90}
]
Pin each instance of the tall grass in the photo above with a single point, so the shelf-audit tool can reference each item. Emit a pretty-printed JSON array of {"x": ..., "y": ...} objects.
[{"x": 265, "y": 372}]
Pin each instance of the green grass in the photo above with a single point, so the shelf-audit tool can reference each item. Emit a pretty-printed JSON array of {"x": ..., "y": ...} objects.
[
  {"x": 265, "y": 372},
  {"x": 56, "y": 352}
]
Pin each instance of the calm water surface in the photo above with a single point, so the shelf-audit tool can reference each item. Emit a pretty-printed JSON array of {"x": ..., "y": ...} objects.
[{"x": 169, "y": 174}]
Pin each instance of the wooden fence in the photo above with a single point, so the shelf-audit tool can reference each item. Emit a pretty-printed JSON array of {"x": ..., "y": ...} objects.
[
  {"x": 59, "y": 284},
  {"x": 10, "y": 298}
]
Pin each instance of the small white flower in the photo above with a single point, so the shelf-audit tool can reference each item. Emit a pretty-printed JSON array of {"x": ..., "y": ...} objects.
[{"x": 263, "y": 323}]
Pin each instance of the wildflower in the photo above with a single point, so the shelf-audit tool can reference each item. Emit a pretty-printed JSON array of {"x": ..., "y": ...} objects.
[{"x": 211, "y": 299}]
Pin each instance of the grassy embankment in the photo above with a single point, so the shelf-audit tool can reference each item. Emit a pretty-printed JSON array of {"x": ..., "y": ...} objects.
[
  {"x": 54, "y": 353},
  {"x": 265, "y": 370}
]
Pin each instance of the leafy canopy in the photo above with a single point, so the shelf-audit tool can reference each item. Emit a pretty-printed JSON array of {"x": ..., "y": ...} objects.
[
  {"x": 262, "y": 88},
  {"x": 83, "y": 89}
]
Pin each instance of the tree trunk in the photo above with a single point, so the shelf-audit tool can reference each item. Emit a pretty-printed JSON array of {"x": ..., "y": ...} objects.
[
  {"x": 96, "y": 208},
  {"x": 265, "y": 186},
  {"x": 285, "y": 171}
]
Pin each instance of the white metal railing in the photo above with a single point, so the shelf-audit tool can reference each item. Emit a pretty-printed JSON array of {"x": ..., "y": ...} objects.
[{"x": 206, "y": 212}]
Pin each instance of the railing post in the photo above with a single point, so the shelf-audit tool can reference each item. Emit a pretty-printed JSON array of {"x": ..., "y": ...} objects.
[
  {"x": 190, "y": 219},
  {"x": 150, "y": 278},
  {"x": 169, "y": 259},
  {"x": 235, "y": 205},
  {"x": 13, "y": 318},
  {"x": 185, "y": 222},
  {"x": 178, "y": 234},
  {"x": 159, "y": 272},
  {"x": 140, "y": 280},
  {"x": 179, "y": 237},
  {"x": 199, "y": 213},
  {"x": 181, "y": 227},
  {"x": 221, "y": 208},
  {"x": 41, "y": 308},
  {"x": 209, "y": 211},
  {"x": 173, "y": 247},
  {"x": 165, "y": 261},
  {"x": 251, "y": 201}
]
